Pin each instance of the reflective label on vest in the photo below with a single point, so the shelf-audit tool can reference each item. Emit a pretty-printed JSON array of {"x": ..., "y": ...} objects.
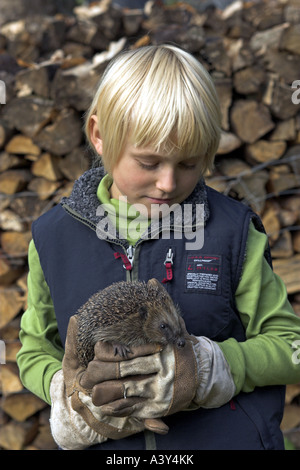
[{"x": 203, "y": 274}]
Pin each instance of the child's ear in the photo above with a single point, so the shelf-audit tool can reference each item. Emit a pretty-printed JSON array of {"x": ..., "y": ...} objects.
[{"x": 95, "y": 134}]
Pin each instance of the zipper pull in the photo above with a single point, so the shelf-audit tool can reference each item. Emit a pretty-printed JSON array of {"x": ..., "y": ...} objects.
[
  {"x": 168, "y": 264},
  {"x": 130, "y": 254},
  {"x": 169, "y": 257},
  {"x": 127, "y": 260}
]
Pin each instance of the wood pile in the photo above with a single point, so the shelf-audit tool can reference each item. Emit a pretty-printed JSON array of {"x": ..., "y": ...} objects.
[{"x": 50, "y": 63}]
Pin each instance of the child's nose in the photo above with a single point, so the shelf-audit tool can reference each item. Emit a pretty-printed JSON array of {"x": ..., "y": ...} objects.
[{"x": 166, "y": 181}]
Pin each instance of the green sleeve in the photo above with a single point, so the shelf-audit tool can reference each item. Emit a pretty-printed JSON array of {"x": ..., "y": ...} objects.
[
  {"x": 266, "y": 357},
  {"x": 41, "y": 353}
]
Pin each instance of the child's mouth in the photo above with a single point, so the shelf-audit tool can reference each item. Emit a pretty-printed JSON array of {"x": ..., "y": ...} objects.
[{"x": 154, "y": 200}]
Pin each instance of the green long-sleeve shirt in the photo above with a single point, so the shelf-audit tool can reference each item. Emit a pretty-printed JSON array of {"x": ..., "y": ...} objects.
[{"x": 271, "y": 326}]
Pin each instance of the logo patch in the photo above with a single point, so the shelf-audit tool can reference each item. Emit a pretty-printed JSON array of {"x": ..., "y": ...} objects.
[{"x": 203, "y": 274}]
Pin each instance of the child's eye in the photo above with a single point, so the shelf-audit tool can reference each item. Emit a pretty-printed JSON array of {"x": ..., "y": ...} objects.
[
  {"x": 148, "y": 166},
  {"x": 188, "y": 166}
]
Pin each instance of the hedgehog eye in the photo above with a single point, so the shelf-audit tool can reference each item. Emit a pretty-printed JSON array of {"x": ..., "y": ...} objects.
[{"x": 163, "y": 326}]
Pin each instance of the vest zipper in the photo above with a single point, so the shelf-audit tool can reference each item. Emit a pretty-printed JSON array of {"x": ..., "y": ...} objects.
[
  {"x": 130, "y": 254},
  {"x": 169, "y": 257},
  {"x": 131, "y": 274}
]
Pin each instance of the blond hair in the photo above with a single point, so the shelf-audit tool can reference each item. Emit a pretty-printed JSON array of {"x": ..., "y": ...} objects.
[{"x": 159, "y": 96}]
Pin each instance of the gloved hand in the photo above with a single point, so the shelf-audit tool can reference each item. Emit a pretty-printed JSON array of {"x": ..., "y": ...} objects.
[{"x": 69, "y": 428}]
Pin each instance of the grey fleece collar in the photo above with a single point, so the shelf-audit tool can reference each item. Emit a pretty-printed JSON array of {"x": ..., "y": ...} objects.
[{"x": 83, "y": 203}]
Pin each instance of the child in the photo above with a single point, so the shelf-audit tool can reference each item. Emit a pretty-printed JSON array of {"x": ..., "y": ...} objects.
[{"x": 155, "y": 122}]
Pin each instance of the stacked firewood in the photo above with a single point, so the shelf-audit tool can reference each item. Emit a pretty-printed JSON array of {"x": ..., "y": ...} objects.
[{"x": 50, "y": 63}]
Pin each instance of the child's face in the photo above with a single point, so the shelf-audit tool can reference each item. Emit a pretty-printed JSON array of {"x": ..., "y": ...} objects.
[{"x": 147, "y": 177}]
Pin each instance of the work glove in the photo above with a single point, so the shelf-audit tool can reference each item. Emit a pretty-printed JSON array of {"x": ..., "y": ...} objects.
[{"x": 76, "y": 430}]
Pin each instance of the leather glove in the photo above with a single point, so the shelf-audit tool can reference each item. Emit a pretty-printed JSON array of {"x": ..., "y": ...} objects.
[
  {"x": 80, "y": 381},
  {"x": 70, "y": 430}
]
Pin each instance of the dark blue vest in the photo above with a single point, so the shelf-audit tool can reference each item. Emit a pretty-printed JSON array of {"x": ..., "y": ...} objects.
[{"x": 76, "y": 263}]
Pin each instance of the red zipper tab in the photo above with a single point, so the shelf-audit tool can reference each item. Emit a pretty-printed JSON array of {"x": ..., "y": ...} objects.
[{"x": 126, "y": 262}]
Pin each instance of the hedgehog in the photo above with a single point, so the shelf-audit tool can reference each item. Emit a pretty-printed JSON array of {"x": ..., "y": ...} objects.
[{"x": 128, "y": 314}]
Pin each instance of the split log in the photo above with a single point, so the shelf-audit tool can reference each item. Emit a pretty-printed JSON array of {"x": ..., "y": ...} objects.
[
  {"x": 283, "y": 65},
  {"x": 281, "y": 104},
  {"x": 63, "y": 135},
  {"x": 43, "y": 187},
  {"x": 36, "y": 80},
  {"x": 21, "y": 406},
  {"x": 9, "y": 379},
  {"x": 283, "y": 246},
  {"x": 8, "y": 274},
  {"x": 290, "y": 39},
  {"x": 228, "y": 143},
  {"x": 28, "y": 206},
  {"x": 44, "y": 439},
  {"x": 271, "y": 222},
  {"x": 11, "y": 350},
  {"x": 284, "y": 131},
  {"x": 11, "y": 303},
  {"x": 8, "y": 161},
  {"x": 47, "y": 166},
  {"x": 15, "y": 244},
  {"x": 15, "y": 436},
  {"x": 74, "y": 164},
  {"x": 10, "y": 221},
  {"x": 249, "y": 80},
  {"x": 263, "y": 41},
  {"x": 282, "y": 178},
  {"x": 14, "y": 181},
  {"x": 224, "y": 91},
  {"x": 265, "y": 150},
  {"x": 289, "y": 271},
  {"x": 21, "y": 144},
  {"x": 251, "y": 120},
  {"x": 28, "y": 115}
]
